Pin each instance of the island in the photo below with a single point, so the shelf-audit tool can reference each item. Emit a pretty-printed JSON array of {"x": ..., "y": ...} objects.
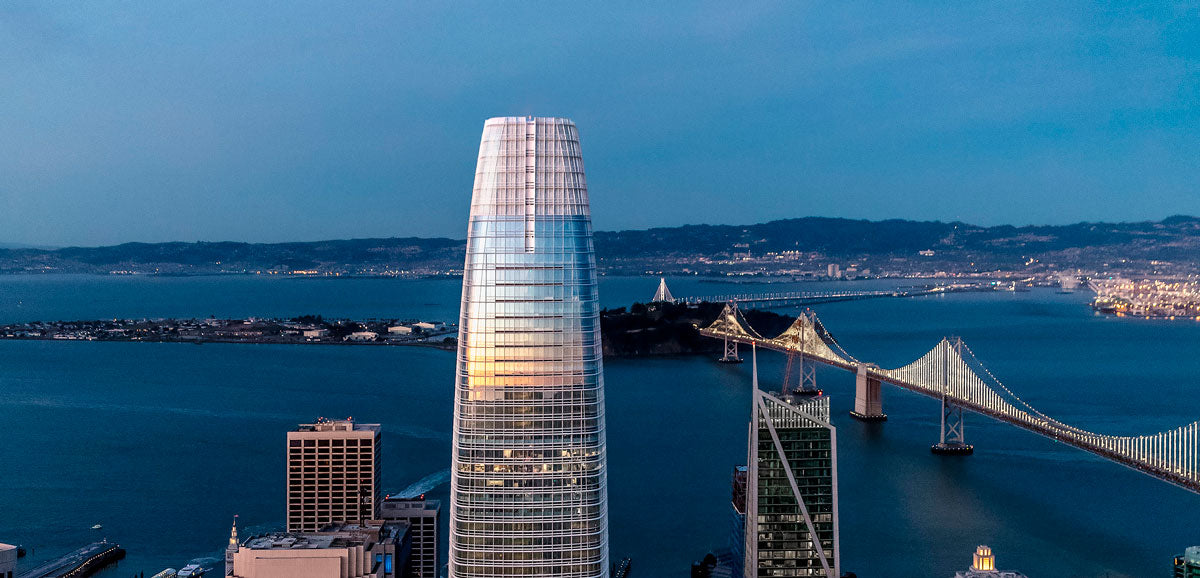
[{"x": 637, "y": 331}]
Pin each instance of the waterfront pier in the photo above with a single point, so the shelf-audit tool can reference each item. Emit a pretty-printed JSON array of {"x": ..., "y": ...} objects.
[{"x": 78, "y": 564}]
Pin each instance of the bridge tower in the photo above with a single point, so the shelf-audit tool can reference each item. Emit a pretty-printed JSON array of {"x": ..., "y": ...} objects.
[
  {"x": 731, "y": 352},
  {"x": 868, "y": 398},
  {"x": 796, "y": 365},
  {"x": 952, "y": 442},
  {"x": 731, "y": 346}
]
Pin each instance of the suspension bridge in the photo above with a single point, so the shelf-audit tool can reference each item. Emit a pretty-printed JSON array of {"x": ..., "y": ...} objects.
[{"x": 951, "y": 373}]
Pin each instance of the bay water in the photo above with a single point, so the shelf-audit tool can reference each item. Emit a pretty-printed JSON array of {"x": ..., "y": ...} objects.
[{"x": 162, "y": 444}]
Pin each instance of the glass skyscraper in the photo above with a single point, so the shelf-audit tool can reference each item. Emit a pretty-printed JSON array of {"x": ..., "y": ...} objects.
[
  {"x": 791, "y": 502},
  {"x": 528, "y": 484}
]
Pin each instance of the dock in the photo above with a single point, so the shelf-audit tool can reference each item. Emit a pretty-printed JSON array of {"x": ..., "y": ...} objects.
[{"x": 82, "y": 562}]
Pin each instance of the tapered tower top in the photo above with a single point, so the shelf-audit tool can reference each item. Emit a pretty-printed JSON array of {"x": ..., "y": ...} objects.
[
  {"x": 529, "y": 167},
  {"x": 527, "y": 119}
]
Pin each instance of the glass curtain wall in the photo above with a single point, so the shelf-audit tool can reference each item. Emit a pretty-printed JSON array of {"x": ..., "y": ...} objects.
[{"x": 529, "y": 492}]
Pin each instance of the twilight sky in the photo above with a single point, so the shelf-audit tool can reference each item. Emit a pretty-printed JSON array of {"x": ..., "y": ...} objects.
[{"x": 279, "y": 121}]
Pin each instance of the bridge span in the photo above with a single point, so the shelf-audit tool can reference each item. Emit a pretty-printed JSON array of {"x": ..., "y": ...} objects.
[
  {"x": 950, "y": 372},
  {"x": 783, "y": 298}
]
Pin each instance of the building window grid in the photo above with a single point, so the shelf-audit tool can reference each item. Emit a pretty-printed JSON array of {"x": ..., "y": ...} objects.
[{"x": 501, "y": 306}]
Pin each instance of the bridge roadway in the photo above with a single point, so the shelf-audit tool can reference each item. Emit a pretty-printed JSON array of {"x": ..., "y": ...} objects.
[
  {"x": 951, "y": 373},
  {"x": 814, "y": 297},
  {"x": 81, "y": 562}
]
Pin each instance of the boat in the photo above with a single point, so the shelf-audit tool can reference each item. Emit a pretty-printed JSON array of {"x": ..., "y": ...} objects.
[
  {"x": 168, "y": 573},
  {"x": 97, "y": 527},
  {"x": 190, "y": 571}
]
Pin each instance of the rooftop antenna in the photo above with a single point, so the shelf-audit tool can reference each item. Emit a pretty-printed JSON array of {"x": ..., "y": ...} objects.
[{"x": 754, "y": 363}]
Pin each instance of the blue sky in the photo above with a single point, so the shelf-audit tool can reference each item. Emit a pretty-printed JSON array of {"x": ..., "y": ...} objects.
[{"x": 274, "y": 121}]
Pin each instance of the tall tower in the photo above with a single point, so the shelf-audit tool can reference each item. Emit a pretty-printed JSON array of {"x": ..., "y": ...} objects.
[
  {"x": 791, "y": 498},
  {"x": 529, "y": 492},
  {"x": 333, "y": 474},
  {"x": 232, "y": 548}
]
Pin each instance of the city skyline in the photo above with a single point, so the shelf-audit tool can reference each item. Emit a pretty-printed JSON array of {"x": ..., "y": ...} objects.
[
  {"x": 264, "y": 123},
  {"x": 864, "y": 288}
]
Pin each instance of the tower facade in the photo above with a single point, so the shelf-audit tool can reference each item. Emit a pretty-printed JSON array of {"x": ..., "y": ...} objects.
[
  {"x": 231, "y": 549},
  {"x": 529, "y": 481},
  {"x": 333, "y": 474},
  {"x": 424, "y": 518},
  {"x": 791, "y": 501}
]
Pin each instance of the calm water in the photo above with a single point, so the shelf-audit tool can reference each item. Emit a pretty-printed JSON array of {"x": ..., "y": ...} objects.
[{"x": 163, "y": 443}]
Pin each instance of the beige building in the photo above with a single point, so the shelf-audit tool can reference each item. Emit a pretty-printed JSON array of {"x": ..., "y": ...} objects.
[
  {"x": 370, "y": 550},
  {"x": 333, "y": 474},
  {"x": 8, "y": 561}
]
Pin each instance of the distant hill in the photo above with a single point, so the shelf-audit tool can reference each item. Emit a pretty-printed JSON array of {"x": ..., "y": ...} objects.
[
  {"x": 1174, "y": 237},
  {"x": 899, "y": 247},
  {"x": 353, "y": 255},
  {"x": 895, "y": 246}
]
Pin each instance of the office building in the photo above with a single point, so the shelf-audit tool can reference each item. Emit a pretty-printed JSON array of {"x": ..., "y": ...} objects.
[
  {"x": 737, "y": 503},
  {"x": 528, "y": 490},
  {"x": 333, "y": 474},
  {"x": 368, "y": 550},
  {"x": 424, "y": 518},
  {"x": 1188, "y": 565},
  {"x": 791, "y": 489},
  {"x": 8, "y": 561},
  {"x": 983, "y": 565}
]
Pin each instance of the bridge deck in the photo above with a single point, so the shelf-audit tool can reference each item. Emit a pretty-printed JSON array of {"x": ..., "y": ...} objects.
[{"x": 1169, "y": 456}]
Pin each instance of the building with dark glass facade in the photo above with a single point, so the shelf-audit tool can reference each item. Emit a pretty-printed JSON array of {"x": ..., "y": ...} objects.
[
  {"x": 1187, "y": 565},
  {"x": 791, "y": 489}
]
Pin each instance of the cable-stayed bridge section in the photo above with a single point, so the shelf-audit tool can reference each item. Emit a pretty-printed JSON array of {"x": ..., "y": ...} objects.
[{"x": 950, "y": 372}]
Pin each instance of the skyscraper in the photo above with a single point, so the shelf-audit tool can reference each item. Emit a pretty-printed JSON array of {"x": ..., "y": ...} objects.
[
  {"x": 791, "y": 502},
  {"x": 333, "y": 474},
  {"x": 791, "y": 487},
  {"x": 529, "y": 484}
]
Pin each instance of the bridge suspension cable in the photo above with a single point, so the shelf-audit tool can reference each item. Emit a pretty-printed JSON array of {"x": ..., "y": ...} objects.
[{"x": 951, "y": 371}]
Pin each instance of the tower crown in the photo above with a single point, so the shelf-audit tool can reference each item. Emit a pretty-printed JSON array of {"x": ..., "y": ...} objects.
[
  {"x": 233, "y": 539},
  {"x": 985, "y": 561}
]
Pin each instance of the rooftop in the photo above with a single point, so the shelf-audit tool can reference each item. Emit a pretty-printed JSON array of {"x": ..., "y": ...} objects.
[
  {"x": 331, "y": 536},
  {"x": 295, "y": 541},
  {"x": 348, "y": 424}
]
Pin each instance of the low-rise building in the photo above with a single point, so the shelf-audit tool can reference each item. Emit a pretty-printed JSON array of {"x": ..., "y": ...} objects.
[
  {"x": 427, "y": 326},
  {"x": 315, "y": 333},
  {"x": 371, "y": 550},
  {"x": 8, "y": 561},
  {"x": 400, "y": 330},
  {"x": 362, "y": 336}
]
